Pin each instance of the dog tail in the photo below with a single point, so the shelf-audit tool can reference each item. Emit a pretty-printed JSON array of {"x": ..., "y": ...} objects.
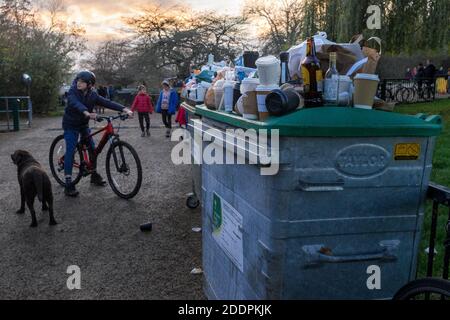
[{"x": 39, "y": 184}]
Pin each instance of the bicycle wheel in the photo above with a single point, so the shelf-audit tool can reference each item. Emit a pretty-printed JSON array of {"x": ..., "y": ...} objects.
[
  {"x": 389, "y": 95},
  {"x": 414, "y": 95},
  {"x": 399, "y": 95},
  {"x": 56, "y": 161},
  {"x": 124, "y": 170},
  {"x": 408, "y": 95},
  {"x": 425, "y": 289}
]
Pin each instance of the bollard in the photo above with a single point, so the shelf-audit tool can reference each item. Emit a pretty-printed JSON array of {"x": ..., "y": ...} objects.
[
  {"x": 15, "y": 111},
  {"x": 30, "y": 111}
]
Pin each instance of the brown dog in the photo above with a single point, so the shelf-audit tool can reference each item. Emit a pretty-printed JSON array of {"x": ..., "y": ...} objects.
[{"x": 33, "y": 182}]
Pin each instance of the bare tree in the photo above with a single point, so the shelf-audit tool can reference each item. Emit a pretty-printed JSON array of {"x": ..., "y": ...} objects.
[
  {"x": 180, "y": 41},
  {"x": 226, "y": 34},
  {"x": 54, "y": 9},
  {"x": 111, "y": 63},
  {"x": 282, "y": 22}
]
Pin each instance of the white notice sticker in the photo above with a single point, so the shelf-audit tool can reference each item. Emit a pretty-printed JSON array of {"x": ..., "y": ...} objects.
[{"x": 227, "y": 230}]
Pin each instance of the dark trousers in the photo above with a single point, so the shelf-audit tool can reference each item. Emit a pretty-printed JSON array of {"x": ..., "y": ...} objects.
[
  {"x": 167, "y": 118},
  {"x": 71, "y": 138},
  {"x": 430, "y": 87},
  {"x": 144, "y": 116}
]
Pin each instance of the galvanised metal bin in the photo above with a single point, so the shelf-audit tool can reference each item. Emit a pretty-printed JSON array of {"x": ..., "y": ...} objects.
[{"x": 348, "y": 200}]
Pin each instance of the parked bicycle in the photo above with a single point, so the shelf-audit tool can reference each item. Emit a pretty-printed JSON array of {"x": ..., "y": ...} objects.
[
  {"x": 407, "y": 91},
  {"x": 123, "y": 166},
  {"x": 432, "y": 288},
  {"x": 425, "y": 289}
]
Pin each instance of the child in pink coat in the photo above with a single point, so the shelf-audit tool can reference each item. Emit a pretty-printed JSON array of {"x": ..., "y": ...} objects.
[{"x": 144, "y": 106}]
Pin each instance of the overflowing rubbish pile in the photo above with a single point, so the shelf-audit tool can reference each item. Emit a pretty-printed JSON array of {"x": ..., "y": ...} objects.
[{"x": 316, "y": 73}]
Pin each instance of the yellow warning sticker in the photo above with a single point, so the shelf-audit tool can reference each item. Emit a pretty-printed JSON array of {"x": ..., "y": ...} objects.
[{"x": 407, "y": 151}]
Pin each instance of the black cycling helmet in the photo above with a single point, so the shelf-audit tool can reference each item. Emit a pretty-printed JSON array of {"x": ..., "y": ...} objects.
[{"x": 86, "y": 76}]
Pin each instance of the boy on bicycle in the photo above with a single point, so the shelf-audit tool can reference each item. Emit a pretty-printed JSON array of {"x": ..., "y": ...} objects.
[{"x": 82, "y": 99}]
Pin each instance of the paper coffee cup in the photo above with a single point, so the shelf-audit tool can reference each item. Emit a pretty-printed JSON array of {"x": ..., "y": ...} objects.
[
  {"x": 261, "y": 94},
  {"x": 250, "y": 105},
  {"x": 365, "y": 90}
]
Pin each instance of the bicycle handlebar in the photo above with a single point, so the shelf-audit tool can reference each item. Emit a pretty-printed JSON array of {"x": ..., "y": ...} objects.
[{"x": 121, "y": 116}]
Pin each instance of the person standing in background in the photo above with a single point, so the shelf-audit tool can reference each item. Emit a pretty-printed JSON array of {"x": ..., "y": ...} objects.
[
  {"x": 448, "y": 80},
  {"x": 441, "y": 81},
  {"x": 111, "y": 92},
  {"x": 419, "y": 77},
  {"x": 144, "y": 106},
  {"x": 430, "y": 77},
  {"x": 408, "y": 74},
  {"x": 102, "y": 92},
  {"x": 167, "y": 105},
  {"x": 414, "y": 72}
]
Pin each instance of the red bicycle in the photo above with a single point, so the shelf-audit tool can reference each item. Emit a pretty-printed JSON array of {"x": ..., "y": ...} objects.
[{"x": 123, "y": 166}]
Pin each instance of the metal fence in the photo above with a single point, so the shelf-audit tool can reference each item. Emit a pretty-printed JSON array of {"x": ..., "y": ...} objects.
[
  {"x": 10, "y": 110},
  {"x": 409, "y": 91}
]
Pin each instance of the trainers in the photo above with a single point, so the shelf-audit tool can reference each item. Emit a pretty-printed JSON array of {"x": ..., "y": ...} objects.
[
  {"x": 97, "y": 179},
  {"x": 70, "y": 191},
  {"x": 168, "y": 133},
  {"x": 148, "y": 132},
  {"x": 143, "y": 134}
]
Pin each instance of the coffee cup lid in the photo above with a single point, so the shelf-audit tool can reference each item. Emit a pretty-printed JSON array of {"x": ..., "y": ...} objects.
[
  {"x": 267, "y": 88},
  {"x": 250, "y": 81},
  {"x": 267, "y": 60},
  {"x": 229, "y": 84},
  {"x": 367, "y": 76},
  {"x": 219, "y": 83}
]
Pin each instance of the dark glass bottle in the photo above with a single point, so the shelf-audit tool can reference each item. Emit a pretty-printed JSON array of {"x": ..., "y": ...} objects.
[{"x": 312, "y": 77}]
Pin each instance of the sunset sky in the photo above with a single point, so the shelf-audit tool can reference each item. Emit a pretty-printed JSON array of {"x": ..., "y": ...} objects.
[{"x": 103, "y": 19}]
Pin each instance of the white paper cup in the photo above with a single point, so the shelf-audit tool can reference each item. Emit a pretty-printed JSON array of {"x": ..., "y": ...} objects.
[
  {"x": 365, "y": 90},
  {"x": 250, "y": 108}
]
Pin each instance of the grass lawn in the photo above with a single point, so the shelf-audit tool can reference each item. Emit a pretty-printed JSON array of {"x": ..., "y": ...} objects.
[{"x": 440, "y": 175}]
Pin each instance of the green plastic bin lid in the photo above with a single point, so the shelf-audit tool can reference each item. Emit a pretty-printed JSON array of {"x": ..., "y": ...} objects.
[{"x": 337, "y": 122}]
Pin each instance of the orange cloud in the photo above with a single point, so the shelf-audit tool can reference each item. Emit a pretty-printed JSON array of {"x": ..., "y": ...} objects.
[{"x": 106, "y": 19}]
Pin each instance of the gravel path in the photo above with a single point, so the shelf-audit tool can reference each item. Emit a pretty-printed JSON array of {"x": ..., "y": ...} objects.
[{"x": 98, "y": 231}]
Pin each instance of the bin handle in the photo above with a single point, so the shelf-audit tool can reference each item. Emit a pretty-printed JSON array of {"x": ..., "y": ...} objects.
[
  {"x": 422, "y": 116},
  {"x": 315, "y": 255},
  {"x": 320, "y": 186},
  {"x": 222, "y": 140},
  {"x": 435, "y": 119}
]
